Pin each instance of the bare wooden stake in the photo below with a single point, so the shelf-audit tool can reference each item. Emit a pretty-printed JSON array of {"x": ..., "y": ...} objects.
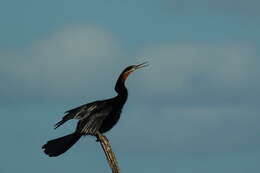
[{"x": 110, "y": 155}]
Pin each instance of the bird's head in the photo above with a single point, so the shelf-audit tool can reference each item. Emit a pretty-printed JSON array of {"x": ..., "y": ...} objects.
[
  {"x": 130, "y": 69},
  {"x": 120, "y": 86}
]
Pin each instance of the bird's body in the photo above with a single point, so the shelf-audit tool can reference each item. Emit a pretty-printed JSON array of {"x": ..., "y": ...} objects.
[{"x": 98, "y": 116}]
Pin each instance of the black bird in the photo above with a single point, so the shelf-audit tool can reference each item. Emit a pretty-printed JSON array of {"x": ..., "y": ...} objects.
[{"x": 98, "y": 116}]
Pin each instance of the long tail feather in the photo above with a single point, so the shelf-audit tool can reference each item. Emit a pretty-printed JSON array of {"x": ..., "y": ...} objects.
[{"x": 60, "y": 145}]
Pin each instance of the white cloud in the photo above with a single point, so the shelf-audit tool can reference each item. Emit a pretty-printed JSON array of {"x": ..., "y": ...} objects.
[
  {"x": 199, "y": 69},
  {"x": 86, "y": 60},
  {"x": 66, "y": 63}
]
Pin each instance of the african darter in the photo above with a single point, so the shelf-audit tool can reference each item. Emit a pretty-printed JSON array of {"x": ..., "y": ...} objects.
[{"x": 98, "y": 116}]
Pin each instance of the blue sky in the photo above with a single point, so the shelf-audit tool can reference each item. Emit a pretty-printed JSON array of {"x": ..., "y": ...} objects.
[{"x": 195, "y": 109}]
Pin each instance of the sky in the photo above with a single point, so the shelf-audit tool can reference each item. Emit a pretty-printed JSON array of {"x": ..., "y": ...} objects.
[{"x": 195, "y": 109}]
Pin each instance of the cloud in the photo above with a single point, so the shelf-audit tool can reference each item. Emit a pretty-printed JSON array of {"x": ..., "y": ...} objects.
[
  {"x": 200, "y": 71},
  {"x": 85, "y": 58},
  {"x": 64, "y": 65}
]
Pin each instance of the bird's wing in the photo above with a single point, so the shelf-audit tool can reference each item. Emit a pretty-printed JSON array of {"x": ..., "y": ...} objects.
[
  {"x": 92, "y": 123},
  {"x": 78, "y": 113}
]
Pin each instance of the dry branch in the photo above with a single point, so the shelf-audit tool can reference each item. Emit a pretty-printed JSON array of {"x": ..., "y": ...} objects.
[{"x": 110, "y": 155}]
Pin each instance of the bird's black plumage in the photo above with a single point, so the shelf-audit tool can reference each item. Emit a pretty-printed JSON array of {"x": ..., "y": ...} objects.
[{"x": 94, "y": 117}]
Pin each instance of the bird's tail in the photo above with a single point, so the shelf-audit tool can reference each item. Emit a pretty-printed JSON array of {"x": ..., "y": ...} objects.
[{"x": 60, "y": 145}]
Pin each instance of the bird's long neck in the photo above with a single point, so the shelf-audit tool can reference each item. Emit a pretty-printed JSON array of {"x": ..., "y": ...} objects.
[{"x": 121, "y": 89}]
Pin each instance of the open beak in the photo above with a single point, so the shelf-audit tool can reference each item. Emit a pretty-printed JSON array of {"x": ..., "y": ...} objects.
[
  {"x": 144, "y": 64},
  {"x": 134, "y": 67}
]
